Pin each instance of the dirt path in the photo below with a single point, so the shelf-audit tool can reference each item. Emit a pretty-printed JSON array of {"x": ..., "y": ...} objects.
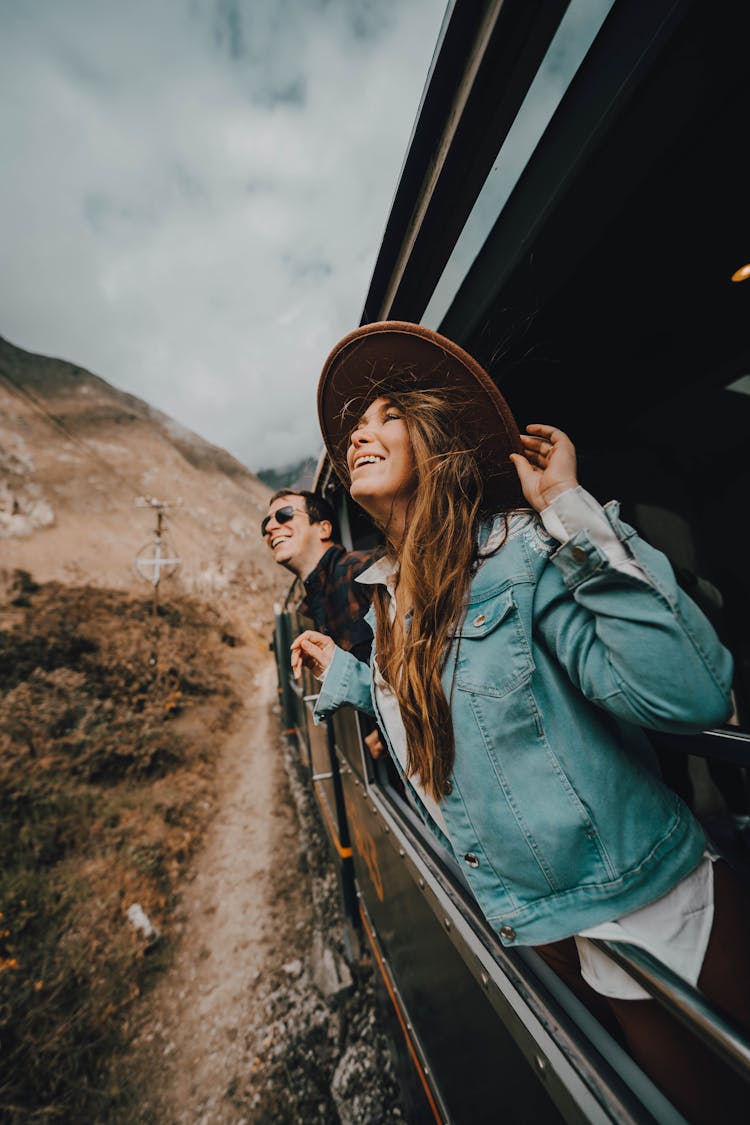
[
  {"x": 267, "y": 1015},
  {"x": 245, "y": 913}
]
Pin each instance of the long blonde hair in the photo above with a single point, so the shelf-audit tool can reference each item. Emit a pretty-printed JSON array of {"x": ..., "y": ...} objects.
[{"x": 436, "y": 560}]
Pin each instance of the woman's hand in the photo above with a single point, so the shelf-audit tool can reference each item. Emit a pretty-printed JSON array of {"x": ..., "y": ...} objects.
[
  {"x": 314, "y": 651},
  {"x": 547, "y": 466}
]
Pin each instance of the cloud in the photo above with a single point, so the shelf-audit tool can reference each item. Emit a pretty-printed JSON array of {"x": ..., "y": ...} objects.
[{"x": 195, "y": 193}]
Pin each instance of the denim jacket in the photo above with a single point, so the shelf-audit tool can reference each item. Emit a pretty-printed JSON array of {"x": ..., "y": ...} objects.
[{"x": 554, "y": 809}]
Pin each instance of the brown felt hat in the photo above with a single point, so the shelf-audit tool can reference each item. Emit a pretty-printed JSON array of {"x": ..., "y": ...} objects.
[{"x": 389, "y": 356}]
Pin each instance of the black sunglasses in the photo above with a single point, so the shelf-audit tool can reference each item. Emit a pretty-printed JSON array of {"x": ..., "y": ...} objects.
[{"x": 281, "y": 515}]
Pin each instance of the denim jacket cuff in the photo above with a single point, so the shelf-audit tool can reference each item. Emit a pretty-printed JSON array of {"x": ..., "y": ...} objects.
[
  {"x": 581, "y": 556},
  {"x": 578, "y": 559},
  {"x": 346, "y": 682}
]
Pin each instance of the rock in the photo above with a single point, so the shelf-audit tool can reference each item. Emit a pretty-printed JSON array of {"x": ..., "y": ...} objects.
[
  {"x": 357, "y": 1100},
  {"x": 140, "y": 921},
  {"x": 330, "y": 972}
]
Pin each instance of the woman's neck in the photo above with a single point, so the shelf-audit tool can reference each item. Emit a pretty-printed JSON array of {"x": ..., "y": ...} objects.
[{"x": 390, "y": 515}]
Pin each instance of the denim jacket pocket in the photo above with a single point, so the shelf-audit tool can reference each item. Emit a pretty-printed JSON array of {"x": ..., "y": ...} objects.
[{"x": 493, "y": 655}]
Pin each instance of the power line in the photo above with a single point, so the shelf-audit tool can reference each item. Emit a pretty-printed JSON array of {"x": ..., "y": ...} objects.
[
  {"x": 135, "y": 486},
  {"x": 26, "y": 394}
]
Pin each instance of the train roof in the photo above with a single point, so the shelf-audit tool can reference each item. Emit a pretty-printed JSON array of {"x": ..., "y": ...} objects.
[{"x": 572, "y": 207}]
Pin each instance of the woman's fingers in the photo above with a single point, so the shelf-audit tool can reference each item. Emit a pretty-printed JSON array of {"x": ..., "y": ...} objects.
[
  {"x": 548, "y": 433},
  {"x": 547, "y": 466},
  {"x": 536, "y": 450},
  {"x": 527, "y": 475}
]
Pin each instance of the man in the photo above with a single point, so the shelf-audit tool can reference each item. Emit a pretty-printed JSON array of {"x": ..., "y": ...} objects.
[{"x": 299, "y": 531}]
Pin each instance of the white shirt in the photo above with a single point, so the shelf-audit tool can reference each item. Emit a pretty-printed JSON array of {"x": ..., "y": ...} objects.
[{"x": 675, "y": 928}]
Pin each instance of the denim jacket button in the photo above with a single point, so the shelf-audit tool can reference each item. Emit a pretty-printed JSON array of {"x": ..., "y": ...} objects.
[
  {"x": 579, "y": 554},
  {"x": 480, "y": 620},
  {"x": 471, "y": 859},
  {"x": 507, "y": 932}
]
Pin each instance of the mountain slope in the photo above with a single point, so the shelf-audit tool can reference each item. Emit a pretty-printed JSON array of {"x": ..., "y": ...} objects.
[{"x": 80, "y": 462}]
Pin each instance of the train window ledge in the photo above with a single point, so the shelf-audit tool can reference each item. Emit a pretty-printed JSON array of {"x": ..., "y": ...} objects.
[{"x": 560, "y": 1003}]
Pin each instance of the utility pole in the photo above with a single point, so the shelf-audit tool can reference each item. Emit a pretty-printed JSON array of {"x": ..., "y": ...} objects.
[{"x": 156, "y": 560}]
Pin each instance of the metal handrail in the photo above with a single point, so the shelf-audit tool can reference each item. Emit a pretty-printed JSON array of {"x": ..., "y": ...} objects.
[
  {"x": 724, "y": 1037},
  {"x": 722, "y": 744},
  {"x": 721, "y": 1035}
]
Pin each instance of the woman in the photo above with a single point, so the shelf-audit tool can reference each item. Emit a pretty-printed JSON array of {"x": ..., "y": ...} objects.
[{"x": 524, "y": 636}]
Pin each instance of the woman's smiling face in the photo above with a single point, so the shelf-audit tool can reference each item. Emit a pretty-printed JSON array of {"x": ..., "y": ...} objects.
[{"x": 381, "y": 463}]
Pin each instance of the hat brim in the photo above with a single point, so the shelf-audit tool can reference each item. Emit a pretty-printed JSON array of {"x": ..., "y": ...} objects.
[{"x": 394, "y": 355}]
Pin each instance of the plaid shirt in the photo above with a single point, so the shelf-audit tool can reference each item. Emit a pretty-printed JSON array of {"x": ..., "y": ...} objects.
[{"x": 336, "y": 603}]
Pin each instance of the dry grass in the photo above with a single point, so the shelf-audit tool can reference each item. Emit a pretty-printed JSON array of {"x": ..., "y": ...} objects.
[{"x": 106, "y": 765}]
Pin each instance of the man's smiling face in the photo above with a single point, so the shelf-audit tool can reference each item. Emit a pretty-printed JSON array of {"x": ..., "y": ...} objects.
[{"x": 296, "y": 543}]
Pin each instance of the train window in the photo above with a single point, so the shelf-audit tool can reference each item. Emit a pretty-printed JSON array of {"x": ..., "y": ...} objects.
[{"x": 364, "y": 535}]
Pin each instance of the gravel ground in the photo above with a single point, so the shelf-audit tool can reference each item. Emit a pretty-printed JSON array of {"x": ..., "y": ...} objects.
[{"x": 322, "y": 1051}]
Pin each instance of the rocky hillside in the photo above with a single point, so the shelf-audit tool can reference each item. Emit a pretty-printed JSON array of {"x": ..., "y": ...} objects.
[
  {"x": 299, "y": 474},
  {"x": 79, "y": 461}
]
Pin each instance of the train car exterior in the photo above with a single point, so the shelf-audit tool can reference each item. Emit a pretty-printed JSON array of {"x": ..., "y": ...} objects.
[{"x": 571, "y": 209}]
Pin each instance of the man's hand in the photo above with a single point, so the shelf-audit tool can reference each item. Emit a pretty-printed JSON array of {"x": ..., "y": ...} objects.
[
  {"x": 374, "y": 743},
  {"x": 547, "y": 466},
  {"x": 314, "y": 651}
]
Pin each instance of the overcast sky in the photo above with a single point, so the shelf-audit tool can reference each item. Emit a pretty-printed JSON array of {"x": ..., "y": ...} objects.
[{"x": 194, "y": 192}]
